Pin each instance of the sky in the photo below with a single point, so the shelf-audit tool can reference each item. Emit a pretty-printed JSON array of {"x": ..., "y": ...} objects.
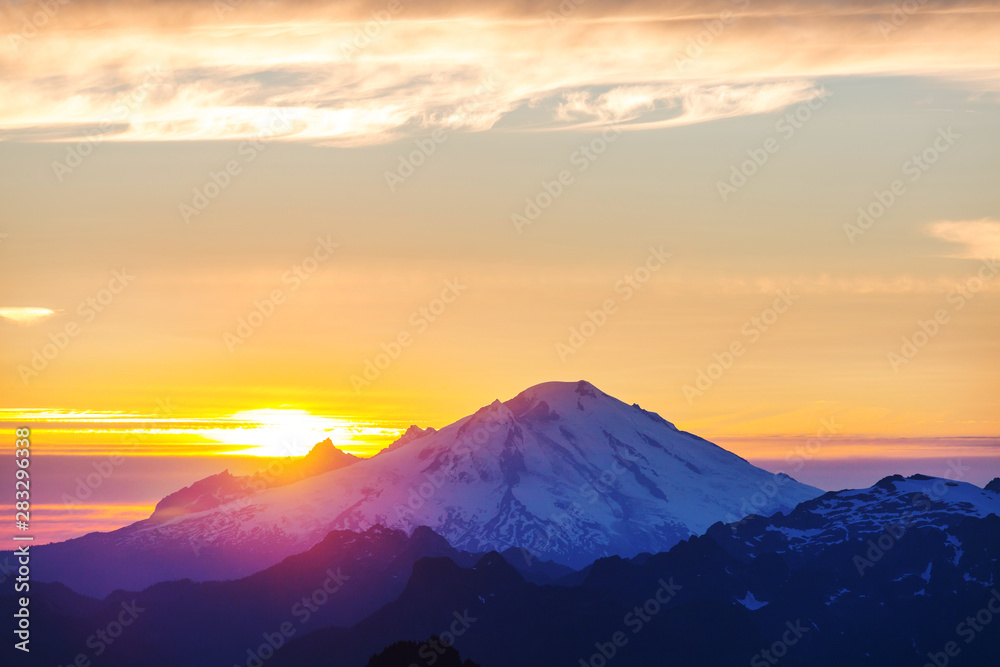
[{"x": 231, "y": 229}]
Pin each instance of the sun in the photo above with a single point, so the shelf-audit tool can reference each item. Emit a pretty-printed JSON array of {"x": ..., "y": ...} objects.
[{"x": 282, "y": 432}]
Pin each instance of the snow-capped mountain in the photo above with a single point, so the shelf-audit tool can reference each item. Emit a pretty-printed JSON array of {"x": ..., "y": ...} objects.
[
  {"x": 880, "y": 515},
  {"x": 226, "y": 488},
  {"x": 562, "y": 470}
]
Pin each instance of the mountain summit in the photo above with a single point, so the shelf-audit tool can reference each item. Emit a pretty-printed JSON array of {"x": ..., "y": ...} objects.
[
  {"x": 562, "y": 470},
  {"x": 226, "y": 489}
]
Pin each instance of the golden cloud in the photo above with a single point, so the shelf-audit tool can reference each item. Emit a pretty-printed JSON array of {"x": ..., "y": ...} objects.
[
  {"x": 367, "y": 72},
  {"x": 980, "y": 238}
]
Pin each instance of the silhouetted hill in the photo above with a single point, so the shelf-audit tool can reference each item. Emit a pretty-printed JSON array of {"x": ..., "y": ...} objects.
[
  {"x": 406, "y": 654},
  {"x": 882, "y": 576}
]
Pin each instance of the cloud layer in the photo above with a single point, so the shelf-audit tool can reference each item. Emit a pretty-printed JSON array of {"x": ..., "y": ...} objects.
[
  {"x": 370, "y": 72},
  {"x": 980, "y": 239}
]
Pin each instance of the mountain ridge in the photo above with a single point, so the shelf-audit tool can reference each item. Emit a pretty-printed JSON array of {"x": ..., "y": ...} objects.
[
  {"x": 903, "y": 555},
  {"x": 753, "y": 579},
  {"x": 562, "y": 470},
  {"x": 222, "y": 488}
]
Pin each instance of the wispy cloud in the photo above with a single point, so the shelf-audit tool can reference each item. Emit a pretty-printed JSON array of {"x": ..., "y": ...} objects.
[
  {"x": 359, "y": 73},
  {"x": 980, "y": 239}
]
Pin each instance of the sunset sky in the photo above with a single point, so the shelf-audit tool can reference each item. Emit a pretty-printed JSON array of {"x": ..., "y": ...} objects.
[{"x": 760, "y": 218}]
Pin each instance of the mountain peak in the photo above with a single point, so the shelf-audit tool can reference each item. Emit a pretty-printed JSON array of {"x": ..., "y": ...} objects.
[
  {"x": 563, "y": 389},
  {"x": 204, "y": 494},
  {"x": 495, "y": 412},
  {"x": 425, "y": 535},
  {"x": 994, "y": 485},
  {"x": 323, "y": 457},
  {"x": 856, "y": 515},
  {"x": 413, "y": 432},
  {"x": 562, "y": 470},
  {"x": 551, "y": 399},
  {"x": 325, "y": 451},
  {"x": 223, "y": 488}
]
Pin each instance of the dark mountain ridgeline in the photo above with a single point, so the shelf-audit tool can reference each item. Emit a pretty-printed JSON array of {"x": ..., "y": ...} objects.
[
  {"x": 885, "y": 575},
  {"x": 773, "y": 585},
  {"x": 405, "y": 654}
]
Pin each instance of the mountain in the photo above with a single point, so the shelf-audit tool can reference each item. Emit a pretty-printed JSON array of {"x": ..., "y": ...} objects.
[
  {"x": 905, "y": 572},
  {"x": 562, "y": 470},
  {"x": 886, "y": 512},
  {"x": 411, "y": 433},
  {"x": 340, "y": 581},
  {"x": 404, "y": 654},
  {"x": 225, "y": 488},
  {"x": 897, "y": 573}
]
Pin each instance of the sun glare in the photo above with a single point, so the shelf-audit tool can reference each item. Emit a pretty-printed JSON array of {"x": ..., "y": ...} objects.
[{"x": 281, "y": 432}]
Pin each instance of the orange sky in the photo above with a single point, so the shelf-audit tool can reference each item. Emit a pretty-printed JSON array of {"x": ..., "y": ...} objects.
[{"x": 748, "y": 217}]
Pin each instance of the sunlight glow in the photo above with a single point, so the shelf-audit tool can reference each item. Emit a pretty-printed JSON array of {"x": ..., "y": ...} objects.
[
  {"x": 25, "y": 315},
  {"x": 265, "y": 432},
  {"x": 281, "y": 432}
]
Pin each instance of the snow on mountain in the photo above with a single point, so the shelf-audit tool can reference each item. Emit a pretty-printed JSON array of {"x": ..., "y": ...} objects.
[
  {"x": 563, "y": 470},
  {"x": 225, "y": 488},
  {"x": 893, "y": 507}
]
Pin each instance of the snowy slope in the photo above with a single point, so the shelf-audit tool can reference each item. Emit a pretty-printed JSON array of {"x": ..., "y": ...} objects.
[
  {"x": 893, "y": 507},
  {"x": 562, "y": 469}
]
